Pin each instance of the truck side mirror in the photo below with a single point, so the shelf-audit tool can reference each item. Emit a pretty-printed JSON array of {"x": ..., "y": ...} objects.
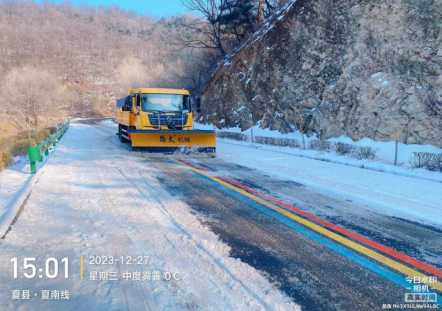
[
  {"x": 137, "y": 103},
  {"x": 187, "y": 103}
]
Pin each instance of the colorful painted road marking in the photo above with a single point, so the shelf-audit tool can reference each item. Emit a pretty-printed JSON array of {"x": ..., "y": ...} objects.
[{"x": 341, "y": 236}]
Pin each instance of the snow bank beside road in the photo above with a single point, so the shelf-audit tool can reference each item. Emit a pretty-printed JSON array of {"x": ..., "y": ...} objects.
[
  {"x": 12, "y": 180},
  {"x": 384, "y": 151},
  {"x": 392, "y": 195}
]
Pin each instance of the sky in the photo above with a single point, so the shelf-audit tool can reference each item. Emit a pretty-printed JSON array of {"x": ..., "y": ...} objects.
[{"x": 158, "y": 8}]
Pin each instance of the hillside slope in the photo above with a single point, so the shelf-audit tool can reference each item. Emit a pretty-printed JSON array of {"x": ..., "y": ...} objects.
[
  {"x": 355, "y": 67},
  {"x": 75, "y": 60}
]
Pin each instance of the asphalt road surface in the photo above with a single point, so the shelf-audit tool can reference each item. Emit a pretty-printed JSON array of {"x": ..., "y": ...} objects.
[{"x": 313, "y": 275}]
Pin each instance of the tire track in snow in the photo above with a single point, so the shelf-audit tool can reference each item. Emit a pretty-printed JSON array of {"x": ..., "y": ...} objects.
[
  {"x": 140, "y": 291},
  {"x": 203, "y": 251}
]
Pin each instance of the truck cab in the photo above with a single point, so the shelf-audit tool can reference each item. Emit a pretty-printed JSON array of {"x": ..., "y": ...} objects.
[
  {"x": 160, "y": 118},
  {"x": 155, "y": 109}
]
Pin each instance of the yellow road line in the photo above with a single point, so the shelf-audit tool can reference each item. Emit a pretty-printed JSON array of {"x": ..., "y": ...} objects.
[
  {"x": 331, "y": 235},
  {"x": 81, "y": 267}
]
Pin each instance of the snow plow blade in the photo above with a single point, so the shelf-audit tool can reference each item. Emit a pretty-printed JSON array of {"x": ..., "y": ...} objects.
[{"x": 200, "y": 140}]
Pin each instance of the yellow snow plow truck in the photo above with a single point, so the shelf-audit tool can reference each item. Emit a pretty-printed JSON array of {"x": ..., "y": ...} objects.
[{"x": 161, "y": 120}]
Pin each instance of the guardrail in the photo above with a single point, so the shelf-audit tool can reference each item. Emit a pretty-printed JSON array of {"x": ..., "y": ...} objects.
[{"x": 36, "y": 153}]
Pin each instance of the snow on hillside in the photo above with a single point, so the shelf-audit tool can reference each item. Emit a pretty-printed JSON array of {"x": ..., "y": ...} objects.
[{"x": 268, "y": 25}]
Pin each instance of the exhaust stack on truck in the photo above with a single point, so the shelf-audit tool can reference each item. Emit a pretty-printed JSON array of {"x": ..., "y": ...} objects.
[{"x": 161, "y": 119}]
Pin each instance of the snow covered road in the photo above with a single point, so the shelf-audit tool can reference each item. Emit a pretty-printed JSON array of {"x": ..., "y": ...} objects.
[
  {"x": 146, "y": 232},
  {"x": 391, "y": 195},
  {"x": 93, "y": 198}
]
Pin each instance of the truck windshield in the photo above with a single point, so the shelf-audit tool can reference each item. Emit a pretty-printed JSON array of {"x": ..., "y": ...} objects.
[{"x": 161, "y": 102}]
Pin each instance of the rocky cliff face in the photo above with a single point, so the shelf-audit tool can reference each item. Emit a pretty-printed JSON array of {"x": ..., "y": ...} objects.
[{"x": 362, "y": 68}]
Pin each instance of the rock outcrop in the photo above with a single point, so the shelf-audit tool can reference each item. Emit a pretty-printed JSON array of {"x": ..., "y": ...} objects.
[{"x": 361, "y": 68}]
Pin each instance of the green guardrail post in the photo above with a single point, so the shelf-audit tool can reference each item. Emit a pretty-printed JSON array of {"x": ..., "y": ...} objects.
[
  {"x": 34, "y": 156},
  {"x": 35, "y": 153}
]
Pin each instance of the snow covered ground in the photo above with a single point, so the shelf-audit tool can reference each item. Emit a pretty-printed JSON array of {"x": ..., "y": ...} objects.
[
  {"x": 385, "y": 151},
  {"x": 12, "y": 180},
  {"x": 93, "y": 197},
  {"x": 414, "y": 199}
]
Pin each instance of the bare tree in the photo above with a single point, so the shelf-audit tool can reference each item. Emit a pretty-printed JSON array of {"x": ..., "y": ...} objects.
[
  {"x": 30, "y": 93},
  {"x": 211, "y": 10},
  {"x": 226, "y": 23},
  {"x": 261, "y": 10},
  {"x": 92, "y": 55}
]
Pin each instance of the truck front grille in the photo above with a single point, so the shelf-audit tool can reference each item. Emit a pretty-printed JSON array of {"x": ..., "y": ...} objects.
[{"x": 172, "y": 121}]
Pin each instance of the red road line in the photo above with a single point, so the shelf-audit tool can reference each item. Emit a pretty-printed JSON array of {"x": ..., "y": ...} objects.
[
  {"x": 193, "y": 165},
  {"x": 353, "y": 235}
]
